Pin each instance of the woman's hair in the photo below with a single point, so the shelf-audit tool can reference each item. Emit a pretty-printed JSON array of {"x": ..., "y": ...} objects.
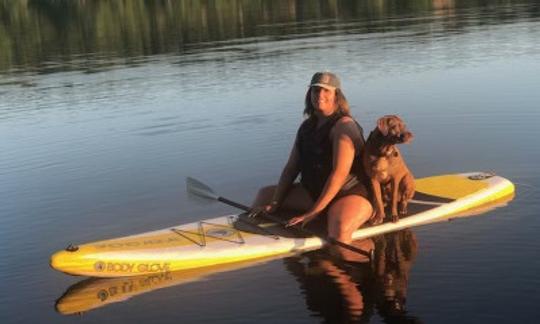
[{"x": 341, "y": 101}]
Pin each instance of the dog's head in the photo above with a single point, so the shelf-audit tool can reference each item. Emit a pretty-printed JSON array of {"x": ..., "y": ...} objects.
[{"x": 394, "y": 129}]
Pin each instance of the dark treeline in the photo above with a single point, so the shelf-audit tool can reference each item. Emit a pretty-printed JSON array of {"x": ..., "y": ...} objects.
[{"x": 38, "y": 32}]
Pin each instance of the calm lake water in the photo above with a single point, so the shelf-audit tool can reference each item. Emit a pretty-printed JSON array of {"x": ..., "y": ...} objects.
[{"x": 106, "y": 107}]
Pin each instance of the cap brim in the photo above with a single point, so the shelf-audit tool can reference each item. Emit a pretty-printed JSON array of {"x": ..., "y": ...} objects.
[{"x": 326, "y": 86}]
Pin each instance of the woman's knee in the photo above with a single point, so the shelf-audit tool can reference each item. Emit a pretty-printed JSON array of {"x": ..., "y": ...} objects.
[
  {"x": 264, "y": 195},
  {"x": 267, "y": 190},
  {"x": 346, "y": 215},
  {"x": 351, "y": 207},
  {"x": 365, "y": 207}
]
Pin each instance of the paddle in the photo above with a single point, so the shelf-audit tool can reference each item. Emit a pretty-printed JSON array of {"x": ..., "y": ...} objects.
[{"x": 200, "y": 189}]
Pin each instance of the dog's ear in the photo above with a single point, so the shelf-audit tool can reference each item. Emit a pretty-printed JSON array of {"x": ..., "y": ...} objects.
[{"x": 382, "y": 125}]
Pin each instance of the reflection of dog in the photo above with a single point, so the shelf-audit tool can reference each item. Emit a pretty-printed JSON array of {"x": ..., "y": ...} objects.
[
  {"x": 394, "y": 257},
  {"x": 386, "y": 169}
]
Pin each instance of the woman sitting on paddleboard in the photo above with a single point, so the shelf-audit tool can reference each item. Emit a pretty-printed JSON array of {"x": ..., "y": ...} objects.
[{"x": 326, "y": 155}]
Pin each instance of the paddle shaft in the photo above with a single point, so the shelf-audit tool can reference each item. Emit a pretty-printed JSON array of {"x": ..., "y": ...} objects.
[{"x": 272, "y": 218}]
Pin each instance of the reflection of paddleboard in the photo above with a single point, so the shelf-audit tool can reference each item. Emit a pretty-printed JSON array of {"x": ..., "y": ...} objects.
[
  {"x": 218, "y": 240},
  {"x": 94, "y": 293}
]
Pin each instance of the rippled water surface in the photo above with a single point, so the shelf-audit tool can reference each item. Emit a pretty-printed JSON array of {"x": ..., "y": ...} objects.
[{"x": 106, "y": 108}]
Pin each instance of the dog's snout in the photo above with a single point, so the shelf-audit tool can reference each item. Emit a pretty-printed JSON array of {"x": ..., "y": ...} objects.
[{"x": 400, "y": 138}]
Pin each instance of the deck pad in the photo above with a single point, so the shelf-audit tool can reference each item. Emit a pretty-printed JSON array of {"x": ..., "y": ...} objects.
[{"x": 422, "y": 202}]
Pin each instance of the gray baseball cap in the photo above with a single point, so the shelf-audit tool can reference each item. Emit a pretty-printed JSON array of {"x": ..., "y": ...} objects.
[{"x": 326, "y": 80}]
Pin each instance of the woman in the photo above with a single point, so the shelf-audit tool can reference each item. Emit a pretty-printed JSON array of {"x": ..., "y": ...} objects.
[{"x": 326, "y": 155}]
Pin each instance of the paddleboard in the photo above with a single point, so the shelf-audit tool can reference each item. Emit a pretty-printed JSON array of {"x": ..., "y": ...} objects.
[{"x": 234, "y": 238}]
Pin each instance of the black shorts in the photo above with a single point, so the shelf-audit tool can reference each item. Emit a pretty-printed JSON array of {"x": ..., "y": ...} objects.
[
  {"x": 357, "y": 188},
  {"x": 352, "y": 187}
]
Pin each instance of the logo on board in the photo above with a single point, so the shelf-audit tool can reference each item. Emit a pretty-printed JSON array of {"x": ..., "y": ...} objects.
[{"x": 131, "y": 267}]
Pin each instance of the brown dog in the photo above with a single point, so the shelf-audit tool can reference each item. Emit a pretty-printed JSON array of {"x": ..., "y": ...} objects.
[{"x": 386, "y": 169}]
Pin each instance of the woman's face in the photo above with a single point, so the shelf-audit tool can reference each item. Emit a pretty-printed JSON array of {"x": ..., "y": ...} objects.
[{"x": 323, "y": 100}]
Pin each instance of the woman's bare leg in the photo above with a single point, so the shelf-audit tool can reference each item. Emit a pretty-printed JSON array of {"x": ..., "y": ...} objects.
[{"x": 345, "y": 216}]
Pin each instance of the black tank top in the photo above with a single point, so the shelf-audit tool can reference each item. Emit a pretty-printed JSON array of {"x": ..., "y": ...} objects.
[{"x": 316, "y": 155}]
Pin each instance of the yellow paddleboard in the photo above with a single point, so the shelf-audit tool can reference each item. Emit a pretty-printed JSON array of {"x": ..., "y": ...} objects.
[{"x": 230, "y": 239}]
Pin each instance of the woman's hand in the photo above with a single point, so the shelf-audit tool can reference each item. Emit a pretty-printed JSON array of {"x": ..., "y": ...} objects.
[
  {"x": 270, "y": 208},
  {"x": 302, "y": 219}
]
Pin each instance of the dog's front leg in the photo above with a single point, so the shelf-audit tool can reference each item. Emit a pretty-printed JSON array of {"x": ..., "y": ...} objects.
[
  {"x": 406, "y": 192},
  {"x": 379, "y": 207},
  {"x": 395, "y": 199}
]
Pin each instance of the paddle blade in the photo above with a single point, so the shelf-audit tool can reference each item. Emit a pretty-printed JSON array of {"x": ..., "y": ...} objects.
[{"x": 200, "y": 189}]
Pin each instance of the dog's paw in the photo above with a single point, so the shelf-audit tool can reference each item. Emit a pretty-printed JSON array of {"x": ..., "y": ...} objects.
[
  {"x": 377, "y": 218},
  {"x": 402, "y": 209},
  {"x": 395, "y": 218}
]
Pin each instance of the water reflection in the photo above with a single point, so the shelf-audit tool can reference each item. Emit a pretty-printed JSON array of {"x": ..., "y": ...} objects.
[
  {"x": 346, "y": 292},
  {"x": 50, "y": 36},
  {"x": 393, "y": 263},
  {"x": 337, "y": 290},
  {"x": 352, "y": 292},
  {"x": 94, "y": 293}
]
